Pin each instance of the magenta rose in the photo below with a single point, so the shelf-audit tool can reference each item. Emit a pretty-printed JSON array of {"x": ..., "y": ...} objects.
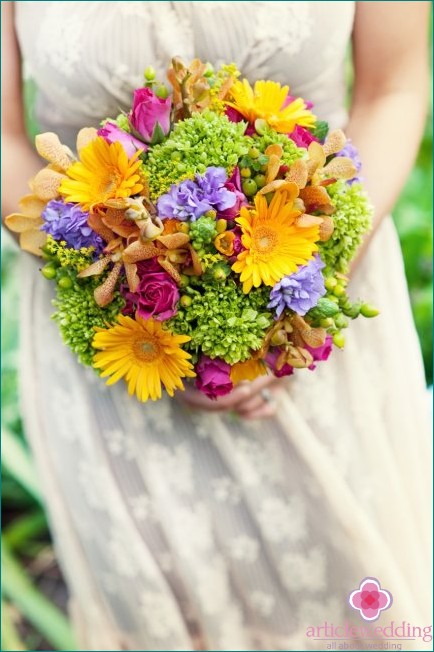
[
  {"x": 157, "y": 293},
  {"x": 114, "y": 134},
  {"x": 291, "y": 98},
  {"x": 271, "y": 360},
  {"x": 150, "y": 115},
  {"x": 302, "y": 137},
  {"x": 321, "y": 352},
  {"x": 233, "y": 184},
  {"x": 213, "y": 377}
]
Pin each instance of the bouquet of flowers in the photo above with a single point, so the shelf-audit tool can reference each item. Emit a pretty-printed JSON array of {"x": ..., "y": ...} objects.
[{"x": 206, "y": 233}]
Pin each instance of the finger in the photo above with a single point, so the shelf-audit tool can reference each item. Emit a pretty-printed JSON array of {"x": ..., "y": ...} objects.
[
  {"x": 266, "y": 411},
  {"x": 259, "y": 383},
  {"x": 197, "y": 399},
  {"x": 250, "y": 404}
]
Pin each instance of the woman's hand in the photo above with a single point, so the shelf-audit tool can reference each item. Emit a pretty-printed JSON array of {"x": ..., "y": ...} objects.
[{"x": 250, "y": 399}]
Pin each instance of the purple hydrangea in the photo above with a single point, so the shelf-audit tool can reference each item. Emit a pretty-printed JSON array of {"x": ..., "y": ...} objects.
[
  {"x": 350, "y": 151},
  {"x": 299, "y": 291},
  {"x": 67, "y": 222},
  {"x": 190, "y": 200}
]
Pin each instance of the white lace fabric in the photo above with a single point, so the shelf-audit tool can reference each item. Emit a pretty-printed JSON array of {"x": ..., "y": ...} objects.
[{"x": 179, "y": 529}]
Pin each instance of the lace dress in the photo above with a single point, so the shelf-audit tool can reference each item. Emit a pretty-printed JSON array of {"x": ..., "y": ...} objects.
[{"x": 178, "y": 528}]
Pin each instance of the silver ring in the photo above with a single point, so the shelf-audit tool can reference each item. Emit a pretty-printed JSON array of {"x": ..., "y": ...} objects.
[{"x": 266, "y": 396}]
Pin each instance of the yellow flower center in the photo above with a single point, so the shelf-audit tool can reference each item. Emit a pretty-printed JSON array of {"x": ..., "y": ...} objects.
[
  {"x": 109, "y": 182},
  {"x": 265, "y": 239},
  {"x": 146, "y": 350}
]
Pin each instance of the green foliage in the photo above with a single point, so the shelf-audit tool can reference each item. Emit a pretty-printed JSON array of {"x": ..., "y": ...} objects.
[
  {"x": 290, "y": 150},
  {"x": 204, "y": 140},
  {"x": 77, "y": 314},
  {"x": 413, "y": 219},
  {"x": 224, "y": 322},
  {"x": 352, "y": 209}
]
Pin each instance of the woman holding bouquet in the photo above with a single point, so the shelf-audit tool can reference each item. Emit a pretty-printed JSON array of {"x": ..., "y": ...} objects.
[{"x": 237, "y": 523}]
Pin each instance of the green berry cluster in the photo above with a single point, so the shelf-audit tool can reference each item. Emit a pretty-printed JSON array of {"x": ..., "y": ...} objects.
[
  {"x": 201, "y": 141},
  {"x": 157, "y": 87},
  {"x": 335, "y": 309},
  {"x": 222, "y": 321},
  {"x": 252, "y": 168}
]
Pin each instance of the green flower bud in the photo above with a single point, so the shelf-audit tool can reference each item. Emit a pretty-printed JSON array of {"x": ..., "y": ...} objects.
[
  {"x": 341, "y": 321},
  {"x": 149, "y": 73},
  {"x": 49, "y": 271},
  {"x": 339, "y": 290},
  {"x": 279, "y": 338},
  {"x": 353, "y": 310},
  {"x": 367, "y": 310},
  {"x": 219, "y": 274},
  {"x": 65, "y": 282},
  {"x": 330, "y": 282},
  {"x": 254, "y": 152},
  {"x": 327, "y": 322},
  {"x": 339, "y": 340},
  {"x": 249, "y": 187},
  {"x": 221, "y": 225},
  {"x": 162, "y": 92},
  {"x": 260, "y": 180}
]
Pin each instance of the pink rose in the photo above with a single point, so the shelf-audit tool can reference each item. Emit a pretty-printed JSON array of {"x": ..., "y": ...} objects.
[
  {"x": 114, "y": 134},
  {"x": 321, "y": 352},
  {"x": 213, "y": 377},
  {"x": 150, "y": 115},
  {"x": 233, "y": 184},
  {"x": 302, "y": 137},
  {"x": 291, "y": 98},
  {"x": 271, "y": 360},
  {"x": 157, "y": 293}
]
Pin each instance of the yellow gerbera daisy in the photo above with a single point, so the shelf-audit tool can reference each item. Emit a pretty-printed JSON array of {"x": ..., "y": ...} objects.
[
  {"x": 147, "y": 356},
  {"x": 103, "y": 172},
  {"x": 267, "y": 101},
  {"x": 248, "y": 370},
  {"x": 274, "y": 244}
]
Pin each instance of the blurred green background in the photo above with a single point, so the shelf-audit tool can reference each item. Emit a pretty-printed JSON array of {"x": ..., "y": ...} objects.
[{"x": 33, "y": 594}]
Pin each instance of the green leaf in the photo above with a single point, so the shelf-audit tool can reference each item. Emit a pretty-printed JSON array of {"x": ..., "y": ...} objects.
[
  {"x": 25, "y": 528},
  {"x": 41, "y": 613},
  {"x": 10, "y": 637},
  {"x": 321, "y": 129},
  {"x": 17, "y": 460}
]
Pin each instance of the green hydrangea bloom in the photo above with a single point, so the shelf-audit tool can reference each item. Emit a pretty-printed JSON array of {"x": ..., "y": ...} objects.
[
  {"x": 77, "y": 259},
  {"x": 203, "y": 230},
  {"x": 203, "y": 140},
  {"x": 290, "y": 150},
  {"x": 352, "y": 219},
  {"x": 223, "y": 321},
  {"x": 77, "y": 314}
]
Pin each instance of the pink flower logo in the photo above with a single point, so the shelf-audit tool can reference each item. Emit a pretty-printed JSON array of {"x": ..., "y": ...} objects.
[{"x": 370, "y": 599}]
